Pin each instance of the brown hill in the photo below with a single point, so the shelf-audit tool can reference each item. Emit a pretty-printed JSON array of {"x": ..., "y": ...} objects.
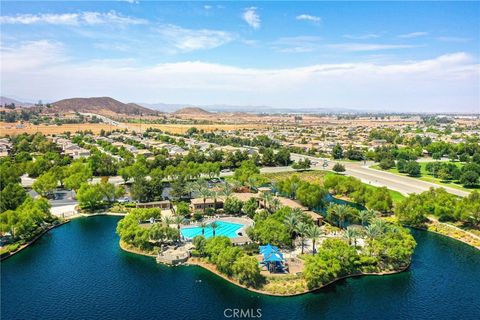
[
  {"x": 192, "y": 111},
  {"x": 100, "y": 105}
]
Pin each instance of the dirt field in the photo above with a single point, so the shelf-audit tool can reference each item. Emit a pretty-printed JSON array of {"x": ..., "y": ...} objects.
[{"x": 18, "y": 128}]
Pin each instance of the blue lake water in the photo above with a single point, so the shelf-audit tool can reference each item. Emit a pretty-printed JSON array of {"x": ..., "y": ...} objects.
[
  {"x": 226, "y": 229},
  {"x": 78, "y": 271}
]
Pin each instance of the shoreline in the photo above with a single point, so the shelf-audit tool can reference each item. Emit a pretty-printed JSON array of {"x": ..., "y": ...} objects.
[
  {"x": 26, "y": 245},
  {"x": 211, "y": 268},
  {"x": 66, "y": 220},
  {"x": 444, "y": 235}
]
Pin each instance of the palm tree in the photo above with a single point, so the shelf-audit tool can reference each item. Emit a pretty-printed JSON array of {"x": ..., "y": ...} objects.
[
  {"x": 342, "y": 212},
  {"x": 314, "y": 232},
  {"x": 214, "y": 226},
  {"x": 371, "y": 231},
  {"x": 204, "y": 193},
  {"x": 203, "y": 225},
  {"x": 332, "y": 213},
  {"x": 226, "y": 190},
  {"x": 251, "y": 183},
  {"x": 352, "y": 233},
  {"x": 267, "y": 198},
  {"x": 191, "y": 187},
  {"x": 275, "y": 204},
  {"x": 297, "y": 212},
  {"x": 366, "y": 215},
  {"x": 380, "y": 224},
  {"x": 178, "y": 220},
  {"x": 291, "y": 222},
  {"x": 293, "y": 189},
  {"x": 167, "y": 220},
  {"x": 302, "y": 230}
]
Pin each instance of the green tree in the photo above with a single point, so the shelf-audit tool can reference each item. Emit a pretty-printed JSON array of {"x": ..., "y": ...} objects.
[
  {"x": 45, "y": 184},
  {"x": 232, "y": 206},
  {"x": 469, "y": 178},
  {"x": 12, "y": 196},
  {"x": 337, "y": 152},
  {"x": 247, "y": 272},
  {"x": 412, "y": 168},
  {"x": 250, "y": 206},
  {"x": 90, "y": 196},
  {"x": 314, "y": 233}
]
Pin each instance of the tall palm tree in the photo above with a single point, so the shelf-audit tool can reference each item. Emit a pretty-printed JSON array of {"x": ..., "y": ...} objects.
[
  {"x": 190, "y": 188},
  {"x": 332, "y": 213},
  {"x": 302, "y": 231},
  {"x": 167, "y": 220},
  {"x": 178, "y": 220},
  {"x": 214, "y": 226},
  {"x": 291, "y": 222},
  {"x": 226, "y": 190},
  {"x": 342, "y": 212},
  {"x": 314, "y": 232},
  {"x": 205, "y": 194},
  {"x": 267, "y": 198},
  {"x": 214, "y": 195},
  {"x": 203, "y": 225},
  {"x": 352, "y": 233}
]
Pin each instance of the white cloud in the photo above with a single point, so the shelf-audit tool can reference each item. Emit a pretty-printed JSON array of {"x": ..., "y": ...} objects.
[
  {"x": 251, "y": 17},
  {"x": 368, "y": 46},
  {"x": 308, "y": 17},
  {"x": 413, "y": 35},
  {"x": 452, "y": 39},
  {"x": 207, "y": 7},
  {"x": 185, "y": 40},
  {"x": 72, "y": 19},
  {"x": 445, "y": 83},
  {"x": 296, "y": 44},
  {"x": 362, "y": 36}
]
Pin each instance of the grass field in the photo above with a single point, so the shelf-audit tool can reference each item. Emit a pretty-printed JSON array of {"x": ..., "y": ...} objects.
[{"x": 425, "y": 176}]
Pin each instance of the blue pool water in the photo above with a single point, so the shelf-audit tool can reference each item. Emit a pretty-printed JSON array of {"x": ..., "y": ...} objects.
[{"x": 227, "y": 229}]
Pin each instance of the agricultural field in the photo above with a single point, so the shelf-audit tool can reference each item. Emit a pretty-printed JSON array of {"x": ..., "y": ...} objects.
[{"x": 19, "y": 128}]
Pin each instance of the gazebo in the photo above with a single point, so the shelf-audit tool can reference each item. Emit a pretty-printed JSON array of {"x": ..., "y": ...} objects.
[{"x": 272, "y": 258}]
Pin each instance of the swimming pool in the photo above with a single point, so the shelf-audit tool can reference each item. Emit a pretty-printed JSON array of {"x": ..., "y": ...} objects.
[{"x": 224, "y": 228}]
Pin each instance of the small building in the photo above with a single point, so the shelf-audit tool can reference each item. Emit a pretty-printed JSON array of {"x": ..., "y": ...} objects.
[
  {"x": 317, "y": 218},
  {"x": 198, "y": 204},
  {"x": 163, "y": 205}
]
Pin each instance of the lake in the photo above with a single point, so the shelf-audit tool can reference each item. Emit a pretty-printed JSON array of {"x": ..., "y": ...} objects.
[{"x": 78, "y": 271}]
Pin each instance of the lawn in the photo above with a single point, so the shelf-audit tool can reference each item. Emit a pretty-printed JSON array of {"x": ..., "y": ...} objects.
[{"x": 425, "y": 176}]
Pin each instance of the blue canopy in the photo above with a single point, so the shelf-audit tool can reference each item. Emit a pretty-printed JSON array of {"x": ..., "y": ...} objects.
[
  {"x": 271, "y": 253},
  {"x": 273, "y": 257},
  {"x": 268, "y": 249}
]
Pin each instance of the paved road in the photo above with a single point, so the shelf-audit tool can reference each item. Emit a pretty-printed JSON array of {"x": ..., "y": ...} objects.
[{"x": 402, "y": 184}]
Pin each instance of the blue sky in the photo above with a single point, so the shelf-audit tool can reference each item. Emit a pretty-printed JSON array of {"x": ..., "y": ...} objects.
[{"x": 388, "y": 56}]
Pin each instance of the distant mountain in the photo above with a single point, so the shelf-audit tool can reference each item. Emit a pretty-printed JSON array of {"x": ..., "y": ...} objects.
[
  {"x": 192, "y": 111},
  {"x": 100, "y": 105},
  {"x": 5, "y": 100}
]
